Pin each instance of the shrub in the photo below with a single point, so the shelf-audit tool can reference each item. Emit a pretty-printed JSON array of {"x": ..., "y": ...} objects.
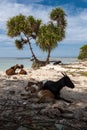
[{"x": 83, "y": 52}]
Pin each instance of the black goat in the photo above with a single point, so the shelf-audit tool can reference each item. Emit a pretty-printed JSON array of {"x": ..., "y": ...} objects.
[{"x": 56, "y": 86}]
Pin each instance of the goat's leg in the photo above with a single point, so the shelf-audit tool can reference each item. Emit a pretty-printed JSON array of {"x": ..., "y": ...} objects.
[
  {"x": 61, "y": 98},
  {"x": 42, "y": 98}
]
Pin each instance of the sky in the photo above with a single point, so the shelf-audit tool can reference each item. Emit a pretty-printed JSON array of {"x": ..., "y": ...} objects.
[{"x": 76, "y": 30}]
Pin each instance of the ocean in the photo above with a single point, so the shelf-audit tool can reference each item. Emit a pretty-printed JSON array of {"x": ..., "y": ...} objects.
[{"x": 6, "y": 63}]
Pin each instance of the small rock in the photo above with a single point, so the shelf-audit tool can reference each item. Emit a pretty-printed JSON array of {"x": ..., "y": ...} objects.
[
  {"x": 68, "y": 115},
  {"x": 64, "y": 127},
  {"x": 14, "y": 77},
  {"x": 22, "y": 128},
  {"x": 12, "y": 92},
  {"x": 51, "y": 112}
]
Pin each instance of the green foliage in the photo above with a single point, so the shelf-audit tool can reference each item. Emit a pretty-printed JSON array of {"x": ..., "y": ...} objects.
[
  {"x": 83, "y": 73},
  {"x": 47, "y": 37},
  {"x": 16, "y": 25},
  {"x": 20, "y": 23},
  {"x": 18, "y": 44},
  {"x": 57, "y": 12},
  {"x": 83, "y": 52},
  {"x": 32, "y": 26},
  {"x": 58, "y": 15}
]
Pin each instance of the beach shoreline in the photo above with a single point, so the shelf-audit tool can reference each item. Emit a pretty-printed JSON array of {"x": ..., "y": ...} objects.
[{"x": 8, "y": 62}]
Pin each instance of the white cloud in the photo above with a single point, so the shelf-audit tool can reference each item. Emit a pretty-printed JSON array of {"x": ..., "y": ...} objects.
[
  {"x": 77, "y": 24},
  {"x": 9, "y": 9},
  {"x": 5, "y": 39},
  {"x": 77, "y": 28}
]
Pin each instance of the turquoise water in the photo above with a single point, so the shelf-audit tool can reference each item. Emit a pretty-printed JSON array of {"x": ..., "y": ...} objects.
[{"x": 6, "y": 63}]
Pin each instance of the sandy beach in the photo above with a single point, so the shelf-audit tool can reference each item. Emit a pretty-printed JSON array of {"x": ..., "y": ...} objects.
[
  {"x": 76, "y": 71},
  {"x": 13, "y": 86}
]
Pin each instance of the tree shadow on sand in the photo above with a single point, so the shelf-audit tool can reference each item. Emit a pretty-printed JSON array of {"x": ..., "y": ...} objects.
[{"x": 17, "y": 113}]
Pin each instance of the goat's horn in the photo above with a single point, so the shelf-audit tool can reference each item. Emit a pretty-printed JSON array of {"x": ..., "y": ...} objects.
[{"x": 63, "y": 74}]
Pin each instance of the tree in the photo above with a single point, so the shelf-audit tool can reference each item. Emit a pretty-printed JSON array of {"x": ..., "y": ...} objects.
[
  {"x": 83, "y": 52},
  {"x": 47, "y": 36},
  {"x": 25, "y": 29},
  {"x": 52, "y": 33}
]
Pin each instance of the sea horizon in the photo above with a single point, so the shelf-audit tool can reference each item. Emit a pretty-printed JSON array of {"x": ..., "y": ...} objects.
[{"x": 38, "y": 57}]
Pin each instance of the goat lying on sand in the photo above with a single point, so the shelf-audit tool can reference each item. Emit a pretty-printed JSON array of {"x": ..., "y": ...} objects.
[
  {"x": 43, "y": 95},
  {"x": 11, "y": 71},
  {"x": 51, "y": 89},
  {"x": 22, "y": 71},
  {"x": 56, "y": 86}
]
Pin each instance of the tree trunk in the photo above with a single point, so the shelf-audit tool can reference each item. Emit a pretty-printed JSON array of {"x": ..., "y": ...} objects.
[
  {"x": 33, "y": 55},
  {"x": 36, "y": 62},
  {"x": 47, "y": 60}
]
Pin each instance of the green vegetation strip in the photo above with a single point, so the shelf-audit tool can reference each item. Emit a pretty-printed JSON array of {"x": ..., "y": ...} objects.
[{"x": 82, "y": 73}]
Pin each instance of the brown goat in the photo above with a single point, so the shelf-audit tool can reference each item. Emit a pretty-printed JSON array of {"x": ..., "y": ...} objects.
[
  {"x": 11, "y": 71},
  {"x": 22, "y": 71},
  {"x": 44, "y": 95}
]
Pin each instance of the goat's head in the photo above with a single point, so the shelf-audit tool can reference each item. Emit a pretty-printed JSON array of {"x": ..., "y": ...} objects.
[
  {"x": 68, "y": 81},
  {"x": 16, "y": 67},
  {"x": 33, "y": 86},
  {"x": 21, "y": 66}
]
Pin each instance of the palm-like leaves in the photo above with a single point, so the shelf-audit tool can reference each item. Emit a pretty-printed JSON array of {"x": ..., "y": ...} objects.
[
  {"x": 83, "y": 52},
  {"x": 16, "y": 25},
  {"x": 59, "y": 15},
  {"x": 19, "y": 44},
  {"x": 32, "y": 26},
  {"x": 46, "y": 37}
]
